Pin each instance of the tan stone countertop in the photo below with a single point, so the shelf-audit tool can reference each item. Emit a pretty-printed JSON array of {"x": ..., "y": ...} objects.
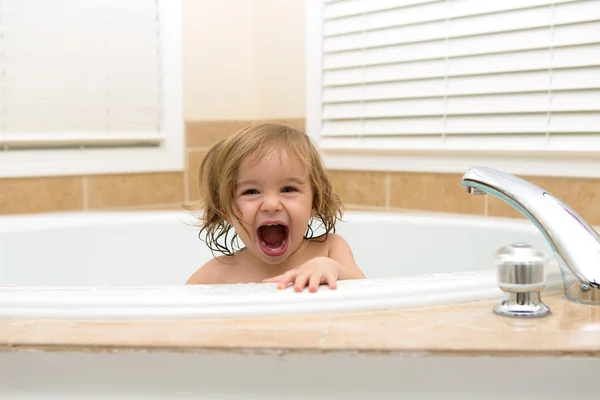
[{"x": 458, "y": 329}]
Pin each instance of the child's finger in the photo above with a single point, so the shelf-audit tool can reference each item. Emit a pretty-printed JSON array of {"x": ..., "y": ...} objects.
[
  {"x": 314, "y": 282},
  {"x": 272, "y": 279},
  {"x": 301, "y": 281},
  {"x": 285, "y": 279},
  {"x": 331, "y": 280}
]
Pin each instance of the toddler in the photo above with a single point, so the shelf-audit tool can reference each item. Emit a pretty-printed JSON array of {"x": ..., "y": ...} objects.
[{"x": 264, "y": 185}]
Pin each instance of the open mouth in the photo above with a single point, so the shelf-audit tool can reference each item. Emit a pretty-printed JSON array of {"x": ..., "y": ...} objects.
[{"x": 273, "y": 238}]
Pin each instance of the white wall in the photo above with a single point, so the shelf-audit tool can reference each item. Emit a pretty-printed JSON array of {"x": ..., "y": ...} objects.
[
  {"x": 243, "y": 59},
  {"x": 218, "y": 59},
  {"x": 279, "y": 50}
]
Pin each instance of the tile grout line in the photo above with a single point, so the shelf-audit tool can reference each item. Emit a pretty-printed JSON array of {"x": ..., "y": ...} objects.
[
  {"x": 84, "y": 187},
  {"x": 145, "y": 207},
  {"x": 388, "y": 179},
  {"x": 363, "y": 207}
]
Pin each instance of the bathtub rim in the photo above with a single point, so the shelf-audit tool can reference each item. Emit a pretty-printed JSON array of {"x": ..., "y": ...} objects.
[
  {"x": 192, "y": 302},
  {"x": 258, "y": 300}
]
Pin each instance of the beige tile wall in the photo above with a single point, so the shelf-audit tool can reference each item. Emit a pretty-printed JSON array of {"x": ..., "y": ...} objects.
[
  {"x": 147, "y": 191},
  {"x": 393, "y": 191},
  {"x": 94, "y": 192},
  {"x": 398, "y": 191}
]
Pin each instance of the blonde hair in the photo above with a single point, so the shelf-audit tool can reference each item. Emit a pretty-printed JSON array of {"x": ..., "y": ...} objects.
[{"x": 218, "y": 177}]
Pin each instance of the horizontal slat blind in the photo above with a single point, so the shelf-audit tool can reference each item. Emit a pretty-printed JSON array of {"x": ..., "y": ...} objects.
[
  {"x": 78, "y": 72},
  {"x": 440, "y": 71}
]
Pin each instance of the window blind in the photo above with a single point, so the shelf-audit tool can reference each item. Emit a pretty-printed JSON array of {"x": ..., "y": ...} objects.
[
  {"x": 80, "y": 73},
  {"x": 511, "y": 75}
]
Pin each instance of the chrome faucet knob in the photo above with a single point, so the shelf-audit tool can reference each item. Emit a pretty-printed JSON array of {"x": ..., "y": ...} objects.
[
  {"x": 521, "y": 272},
  {"x": 574, "y": 242}
]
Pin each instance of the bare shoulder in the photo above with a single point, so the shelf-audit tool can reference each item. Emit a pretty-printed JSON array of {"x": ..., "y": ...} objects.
[
  {"x": 335, "y": 239},
  {"x": 213, "y": 271},
  {"x": 339, "y": 250},
  {"x": 330, "y": 242}
]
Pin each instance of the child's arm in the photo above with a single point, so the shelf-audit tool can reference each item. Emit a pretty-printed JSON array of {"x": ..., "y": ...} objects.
[{"x": 340, "y": 251}]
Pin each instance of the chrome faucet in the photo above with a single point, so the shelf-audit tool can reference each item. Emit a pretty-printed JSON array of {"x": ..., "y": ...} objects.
[{"x": 576, "y": 245}]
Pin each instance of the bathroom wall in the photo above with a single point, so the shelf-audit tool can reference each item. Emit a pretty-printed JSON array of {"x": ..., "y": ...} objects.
[
  {"x": 277, "y": 70},
  {"x": 243, "y": 59},
  {"x": 244, "y": 62}
]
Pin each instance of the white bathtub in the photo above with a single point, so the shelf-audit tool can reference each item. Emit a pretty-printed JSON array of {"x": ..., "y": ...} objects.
[{"x": 134, "y": 264}]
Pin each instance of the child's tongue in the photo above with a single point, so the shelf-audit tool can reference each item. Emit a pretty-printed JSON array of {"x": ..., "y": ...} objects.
[{"x": 272, "y": 235}]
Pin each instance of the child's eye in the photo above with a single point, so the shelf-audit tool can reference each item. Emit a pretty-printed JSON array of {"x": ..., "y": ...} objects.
[
  {"x": 289, "y": 189},
  {"x": 249, "y": 191}
]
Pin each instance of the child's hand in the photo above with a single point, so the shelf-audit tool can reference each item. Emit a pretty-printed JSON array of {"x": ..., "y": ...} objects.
[{"x": 313, "y": 273}]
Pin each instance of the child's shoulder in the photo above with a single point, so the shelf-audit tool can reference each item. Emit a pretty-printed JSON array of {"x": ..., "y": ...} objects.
[
  {"x": 328, "y": 238},
  {"x": 213, "y": 271},
  {"x": 329, "y": 241}
]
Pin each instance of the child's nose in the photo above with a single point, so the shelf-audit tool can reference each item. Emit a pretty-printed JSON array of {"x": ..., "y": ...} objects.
[{"x": 271, "y": 203}]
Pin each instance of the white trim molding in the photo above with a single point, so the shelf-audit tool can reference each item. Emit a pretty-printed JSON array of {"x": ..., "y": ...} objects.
[
  {"x": 574, "y": 156},
  {"x": 441, "y": 162},
  {"x": 314, "y": 68}
]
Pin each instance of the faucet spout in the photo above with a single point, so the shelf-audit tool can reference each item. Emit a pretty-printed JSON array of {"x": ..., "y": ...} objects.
[{"x": 576, "y": 245}]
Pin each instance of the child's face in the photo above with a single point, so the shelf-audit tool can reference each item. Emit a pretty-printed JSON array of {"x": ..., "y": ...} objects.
[{"x": 275, "y": 198}]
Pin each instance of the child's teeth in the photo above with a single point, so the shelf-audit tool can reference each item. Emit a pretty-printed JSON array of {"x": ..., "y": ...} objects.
[{"x": 278, "y": 248}]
